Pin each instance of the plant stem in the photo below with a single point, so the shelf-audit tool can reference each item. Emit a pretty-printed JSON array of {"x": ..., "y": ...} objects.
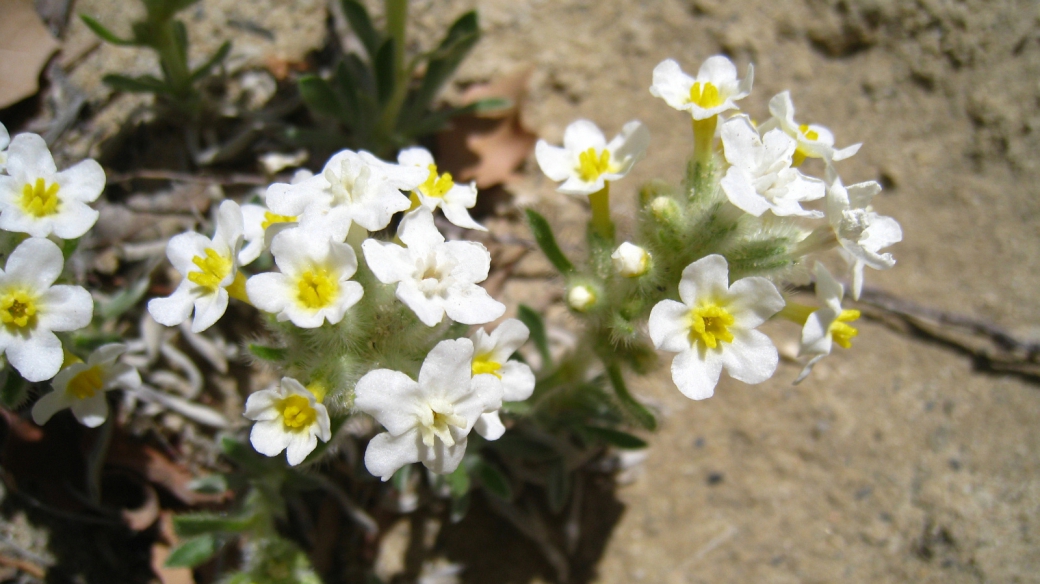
[
  {"x": 601, "y": 223},
  {"x": 396, "y": 26}
]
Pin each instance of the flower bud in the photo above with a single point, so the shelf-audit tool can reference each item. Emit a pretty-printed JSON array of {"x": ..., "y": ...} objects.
[
  {"x": 665, "y": 209},
  {"x": 631, "y": 261},
  {"x": 581, "y": 297}
]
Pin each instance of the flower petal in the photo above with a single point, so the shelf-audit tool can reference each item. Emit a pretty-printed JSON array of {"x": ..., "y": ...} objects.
[
  {"x": 300, "y": 445},
  {"x": 28, "y": 158},
  {"x": 446, "y": 373},
  {"x": 391, "y": 397},
  {"x": 82, "y": 182},
  {"x": 48, "y": 405},
  {"x": 65, "y": 308},
  {"x": 581, "y": 135},
  {"x": 555, "y": 162},
  {"x": 208, "y": 309},
  {"x": 91, "y": 412},
  {"x": 696, "y": 373},
  {"x": 175, "y": 308},
  {"x": 387, "y": 453},
  {"x": 753, "y": 300},
  {"x": 517, "y": 381},
  {"x": 441, "y": 459},
  {"x": 707, "y": 277},
  {"x": 751, "y": 357},
  {"x": 37, "y": 261},
  {"x": 669, "y": 326},
  {"x": 489, "y": 426},
  {"x": 269, "y": 437}
]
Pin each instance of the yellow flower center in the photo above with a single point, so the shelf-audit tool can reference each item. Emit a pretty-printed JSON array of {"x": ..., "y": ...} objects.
[
  {"x": 18, "y": 309},
  {"x": 484, "y": 364},
  {"x": 439, "y": 427},
  {"x": 319, "y": 388},
  {"x": 705, "y": 94},
  {"x": 39, "y": 199},
  {"x": 86, "y": 383},
  {"x": 841, "y": 332},
  {"x": 800, "y": 154},
  {"x": 709, "y": 324},
  {"x": 297, "y": 413},
  {"x": 592, "y": 164},
  {"x": 213, "y": 269},
  {"x": 316, "y": 289},
  {"x": 436, "y": 185},
  {"x": 272, "y": 218}
]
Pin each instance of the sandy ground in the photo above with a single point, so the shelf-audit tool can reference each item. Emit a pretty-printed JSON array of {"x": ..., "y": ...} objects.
[{"x": 895, "y": 461}]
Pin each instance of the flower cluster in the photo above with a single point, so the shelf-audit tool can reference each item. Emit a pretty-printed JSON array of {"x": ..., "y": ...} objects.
[
  {"x": 335, "y": 289},
  {"x": 709, "y": 262},
  {"x": 47, "y": 206}
]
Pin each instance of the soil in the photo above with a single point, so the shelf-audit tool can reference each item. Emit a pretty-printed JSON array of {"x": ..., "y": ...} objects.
[{"x": 896, "y": 461}]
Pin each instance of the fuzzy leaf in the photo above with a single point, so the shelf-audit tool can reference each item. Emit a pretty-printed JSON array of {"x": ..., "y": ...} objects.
[
  {"x": 638, "y": 411},
  {"x": 217, "y": 58},
  {"x": 360, "y": 21},
  {"x": 273, "y": 354},
  {"x": 193, "y": 552},
  {"x": 105, "y": 34},
  {"x": 558, "y": 487},
  {"x": 443, "y": 62},
  {"x": 192, "y": 524},
  {"x": 14, "y": 390},
  {"x": 458, "y": 481},
  {"x": 536, "y": 325},
  {"x": 615, "y": 437},
  {"x": 493, "y": 480},
  {"x": 386, "y": 76},
  {"x": 142, "y": 84},
  {"x": 319, "y": 97},
  {"x": 543, "y": 235},
  {"x": 126, "y": 299}
]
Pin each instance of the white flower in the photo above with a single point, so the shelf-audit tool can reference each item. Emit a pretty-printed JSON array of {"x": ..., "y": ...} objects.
[
  {"x": 760, "y": 177},
  {"x": 712, "y": 92},
  {"x": 82, "y": 386},
  {"x": 827, "y": 325},
  {"x": 31, "y": 308},
  {"x": 435, "y": 277},
  {"x": 259, "y": 226},
  {"x": 37, "y": 199},
  {"x": 629, "y": 260},
  {"x": 210, "y": 268},
  {"x": 5, "y": 139},
  {"x": 426, "y": 421},
  {"x": 814, "y": 141},
  {"x": 354, "y": 187},
  {"x": 440, "y": 190},
  {"x": 288, "y": 417},
  {"x": 314, "y": 284},
  {"x": 586, "y": 162},
  {"x": 491, "y": 357},
  {"x": 713, "y": 327},
  {"x": 860, "y": 231}
]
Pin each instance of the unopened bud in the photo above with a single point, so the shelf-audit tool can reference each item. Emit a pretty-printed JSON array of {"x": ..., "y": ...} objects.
[
  {"x": 665, "y": 209},
  {"x": 631, "y": 261},
  {"x": 581, "y": 297}
]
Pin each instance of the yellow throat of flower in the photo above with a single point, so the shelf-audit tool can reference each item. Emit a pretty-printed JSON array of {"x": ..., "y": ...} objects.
[
  {"x": 272, "y": 218},
  {"x": 436, "y": 185},
  {"x": 297, "y": 413},
  {"x": 484, "y": 364},
  {"x": 705, "y": 94},
  {"x": 86, "y": 383},
  {"x": 213, "y": 269},
  {"x": 709, "y": 324},
  {"x": 18, "y": 309},
  {"x": 800, "y": 154},
  {"x": 440, "y": 427},
  {"x": 317, "y": 289},
  {"x": 40, "y": 199},
  {"x": 592, "y": 164},
  {"x": 842, "y": 332}
]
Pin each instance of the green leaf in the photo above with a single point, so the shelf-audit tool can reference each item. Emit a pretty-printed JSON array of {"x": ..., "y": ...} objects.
[
  {"x": 14, "y": 390},
  {"x": 192, "y": 524},
  {"x": 545, "y": 239},
  {"x": 558, "y": 486},
  {"x": 124, "y": 300},
  {"x": 434, "y": 122},
  {"x": 215, "y": 483},
  {"x": 105, "y": 34},
  {"x": 193, "y": 552},
  {"x": 217, "y": 58},
  {"x": 142, "y": 84},
  {"x": 68, "y": 247},
  {"x": 536, "y": 325},
  {"x": 319, "y": 97},
  {"x": 458, "y": 481},
  {"x": 443, "y": 62},
  {"x": 346, "y": 88},
  {"x": 459, "y": 508},
  {"x": 180, "y": 39},
  {"x": 359, "y": 20},
  {"x": 615, "y": 437},
  {"x": 638, "y": 411},
  {"x": 493, "y": 480},
  {"x": 386, "y": 77},
  {"x": 400, "y": 478},
  {"x": 273, "y": 354},
  {"x": 491, "y": 105}
]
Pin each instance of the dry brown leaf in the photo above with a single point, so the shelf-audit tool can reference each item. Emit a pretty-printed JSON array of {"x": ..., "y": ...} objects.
[
  {"x": 25, "y": 47},
  {"x": 158, "y": 470},
  {"x": 161, "y": 551},
  {"x": 488, "y": 148}
]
